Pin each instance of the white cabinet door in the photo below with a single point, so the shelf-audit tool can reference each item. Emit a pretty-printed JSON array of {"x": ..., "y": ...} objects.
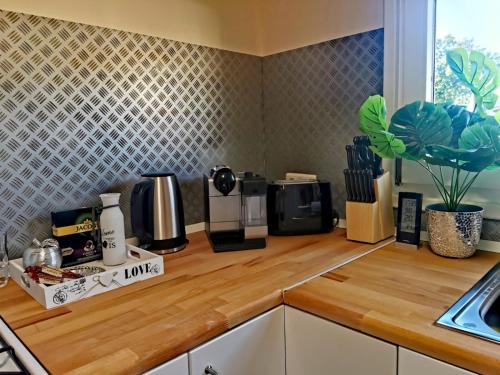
[
  {"x": 177, "y": 366},
  {"x": 411, "y": 363},
  {"x": 315, "y": 346},
  {"x": 254, "y": 348}
]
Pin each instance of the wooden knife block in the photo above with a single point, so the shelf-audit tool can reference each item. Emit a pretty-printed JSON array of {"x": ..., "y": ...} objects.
[{"x": 372, "y": 222}]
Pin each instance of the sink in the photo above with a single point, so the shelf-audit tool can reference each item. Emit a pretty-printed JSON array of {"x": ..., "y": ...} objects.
[
  {"x": 491, "y": 311},
  {"x": 477, "y": 313}
]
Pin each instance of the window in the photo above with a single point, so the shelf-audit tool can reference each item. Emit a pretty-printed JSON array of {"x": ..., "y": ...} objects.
[
  {"x": 417, "y": 35},
  {"x": 472, "y": 25}
]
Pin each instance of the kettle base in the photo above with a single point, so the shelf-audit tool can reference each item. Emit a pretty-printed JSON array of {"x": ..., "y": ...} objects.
[
  {"x": 169, "y": 251},
  {"x": 172, "y": 245}
]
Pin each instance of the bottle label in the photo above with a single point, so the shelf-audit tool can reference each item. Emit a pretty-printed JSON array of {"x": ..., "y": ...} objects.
[{"x": 108, "y": 239}]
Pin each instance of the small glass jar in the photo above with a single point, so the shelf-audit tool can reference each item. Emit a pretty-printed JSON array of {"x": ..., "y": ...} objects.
[{"x": 4, "y": 262}]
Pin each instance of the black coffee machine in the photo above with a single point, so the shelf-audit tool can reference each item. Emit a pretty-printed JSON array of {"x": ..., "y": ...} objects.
[{"x": 299, "y": 207}]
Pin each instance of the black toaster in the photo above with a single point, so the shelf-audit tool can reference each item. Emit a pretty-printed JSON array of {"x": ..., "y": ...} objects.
[{"x": 299, "y": 207}]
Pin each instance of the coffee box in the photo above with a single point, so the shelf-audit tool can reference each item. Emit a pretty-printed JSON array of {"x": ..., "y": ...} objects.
[{"x": 78, "y": 235}]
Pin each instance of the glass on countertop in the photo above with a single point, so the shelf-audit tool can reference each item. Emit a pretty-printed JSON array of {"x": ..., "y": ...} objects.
[{"x": 4, "y": 262}]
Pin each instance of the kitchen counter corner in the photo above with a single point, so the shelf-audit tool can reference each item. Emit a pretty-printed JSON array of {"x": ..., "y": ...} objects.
[
  {"x": 201, "y": 295},
  {"x": 397, "y": 294}
]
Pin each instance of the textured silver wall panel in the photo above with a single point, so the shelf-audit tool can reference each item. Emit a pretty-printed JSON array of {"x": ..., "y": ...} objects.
[
  {"x": 84, "y": 110},
  {"x": 311, "y": 99}
]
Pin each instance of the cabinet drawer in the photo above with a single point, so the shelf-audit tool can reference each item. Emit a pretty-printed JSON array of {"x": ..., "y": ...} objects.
[
  {"x": 176, "y": 366},
  {"x": 315, "y": 346},
  {"x": 412, "y": 363},
  {"x": 254, "y": 348}
]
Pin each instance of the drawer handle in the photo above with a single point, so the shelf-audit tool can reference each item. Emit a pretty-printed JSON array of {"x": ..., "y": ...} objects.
[{"x": 209, "y": 370}]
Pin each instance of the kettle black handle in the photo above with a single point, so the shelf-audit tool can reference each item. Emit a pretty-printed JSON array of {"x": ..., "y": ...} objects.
[{"x": 140, "y": 203}]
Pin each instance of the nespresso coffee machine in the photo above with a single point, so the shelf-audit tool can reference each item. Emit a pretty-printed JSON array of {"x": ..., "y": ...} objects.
[{"x": 235, "y": 209}]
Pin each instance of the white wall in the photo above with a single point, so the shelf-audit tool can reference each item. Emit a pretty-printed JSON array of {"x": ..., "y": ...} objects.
[
  {"x": 258, "y": 27},
  {"x": 290, "y": 24},
  {"x": 225, "y": 24}
]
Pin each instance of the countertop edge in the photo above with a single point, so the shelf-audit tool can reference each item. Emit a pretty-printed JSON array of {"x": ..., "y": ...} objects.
[
  {"x": 454, "y": 353},
  {"x": 219, "y": 323},
  {"x": 461, "y": 357}
]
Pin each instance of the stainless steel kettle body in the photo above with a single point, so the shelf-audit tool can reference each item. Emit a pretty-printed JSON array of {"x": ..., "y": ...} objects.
[{"x": 157, "y": 213}]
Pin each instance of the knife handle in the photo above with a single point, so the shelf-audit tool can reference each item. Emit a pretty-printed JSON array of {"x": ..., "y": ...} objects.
[
  {"x": 350, "y": 157},
  {"x": 359, "y": 188},
  {"x": 363, "y": 184},
  {"x": 355, "y": 152},
  {"x": 348, "y": 186},
  {"x": 368, "y": 180},
  {"x": 371, "y": 186},
  {"x": 354, "y": 188}
]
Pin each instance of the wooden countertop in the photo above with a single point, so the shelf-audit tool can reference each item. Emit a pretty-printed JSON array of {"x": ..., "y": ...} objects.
[
  {"x": 397, "y": 294},
  {"x": 201, "y": 295}
]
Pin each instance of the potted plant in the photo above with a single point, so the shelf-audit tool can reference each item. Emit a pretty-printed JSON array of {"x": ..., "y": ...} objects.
[{"x": 452, "y": 144}]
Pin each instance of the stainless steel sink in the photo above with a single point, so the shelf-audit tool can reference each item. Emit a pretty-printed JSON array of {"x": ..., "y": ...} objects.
[{"x": 477, "y": 313}]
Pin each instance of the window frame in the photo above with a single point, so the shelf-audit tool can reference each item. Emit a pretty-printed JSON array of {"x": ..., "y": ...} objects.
[{"x": 409, "y": 39}]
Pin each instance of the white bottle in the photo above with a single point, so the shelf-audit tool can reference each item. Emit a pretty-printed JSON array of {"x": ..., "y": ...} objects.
[{"x": 114, "y": 249}]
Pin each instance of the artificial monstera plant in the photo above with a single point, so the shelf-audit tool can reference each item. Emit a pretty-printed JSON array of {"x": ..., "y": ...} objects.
[{"x": 444, "y": 135}]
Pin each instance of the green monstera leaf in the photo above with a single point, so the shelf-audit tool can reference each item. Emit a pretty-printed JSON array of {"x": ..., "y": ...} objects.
[
  {"x": 458, "y": 61},
  {"x": 420, "y": 124},
  {"x": 497, "y": 117},
  {"x": 479, "y": 73},
  {"x": 483, "y": 136},
  {"x": 460, "y": 119},
  {"x": 372, "y": 115},
  {"x": 444, "y": 156},
  {"x": 474, "y": 160},
  {"x": 488, "y": 120},
  {"x": 480, "y": 135},
  {"x": 480, "y": 160},
  {"x": 386, "y": 145}
]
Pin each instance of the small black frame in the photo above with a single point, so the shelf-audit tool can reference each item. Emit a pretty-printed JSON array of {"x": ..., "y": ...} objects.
[{"x": 409, "y": 221}]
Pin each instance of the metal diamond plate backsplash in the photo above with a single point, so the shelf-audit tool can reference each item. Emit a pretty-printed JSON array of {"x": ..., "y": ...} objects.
[
  {"x": 84, "y": 110},
  {"x": 311, "y": 99}
]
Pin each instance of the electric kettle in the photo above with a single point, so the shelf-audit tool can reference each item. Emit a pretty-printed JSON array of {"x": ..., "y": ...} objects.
[{"x": 157, "y": 213}]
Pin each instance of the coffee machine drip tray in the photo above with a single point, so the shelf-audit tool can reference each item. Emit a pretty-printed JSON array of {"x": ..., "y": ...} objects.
[{"x": 234, "y": 240}]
